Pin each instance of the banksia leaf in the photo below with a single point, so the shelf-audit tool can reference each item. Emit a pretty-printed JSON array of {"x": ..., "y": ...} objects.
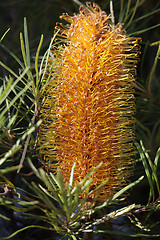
[{"x": 88, "y": 107}]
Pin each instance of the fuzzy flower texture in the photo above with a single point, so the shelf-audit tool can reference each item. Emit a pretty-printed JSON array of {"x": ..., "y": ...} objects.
[{"x": 88, "y": 107}]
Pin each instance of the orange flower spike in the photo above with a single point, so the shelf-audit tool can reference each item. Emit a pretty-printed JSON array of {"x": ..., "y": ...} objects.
[{"x": 94, "y": 110}]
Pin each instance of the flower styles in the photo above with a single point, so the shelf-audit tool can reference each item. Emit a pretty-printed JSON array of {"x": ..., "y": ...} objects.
[{"x": 91, "y": 101}]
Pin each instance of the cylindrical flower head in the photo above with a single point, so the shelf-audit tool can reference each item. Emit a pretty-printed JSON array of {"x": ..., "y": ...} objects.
[{"x": 91, "y": 116}]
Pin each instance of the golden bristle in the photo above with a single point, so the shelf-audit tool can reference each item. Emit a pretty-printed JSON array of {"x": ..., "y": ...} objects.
[{"x": 91, "y": 116}]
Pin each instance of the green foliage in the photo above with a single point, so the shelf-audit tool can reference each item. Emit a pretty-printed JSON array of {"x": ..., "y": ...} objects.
[
  {"x": 41, "y": 202},
  {"x": 150, "y": 170},
  {"x": 63, "y": 207}
]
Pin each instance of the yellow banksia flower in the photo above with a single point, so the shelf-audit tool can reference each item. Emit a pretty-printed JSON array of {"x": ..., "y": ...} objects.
[{"x": 88, "y": 107}]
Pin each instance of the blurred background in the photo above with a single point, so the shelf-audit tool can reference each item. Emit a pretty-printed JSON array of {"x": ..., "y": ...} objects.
[{"x": 41, "y": 19}]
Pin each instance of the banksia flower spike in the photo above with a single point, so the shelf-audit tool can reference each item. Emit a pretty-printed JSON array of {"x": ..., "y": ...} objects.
[{"x": 90, "y": 101}]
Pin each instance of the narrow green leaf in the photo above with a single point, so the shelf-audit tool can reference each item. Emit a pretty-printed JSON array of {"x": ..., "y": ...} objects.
[
  {"x": 26, "y": 43},
  {"x": 8, "y": 169},
  {"x": 133, "y": 14},
  {"x": 121, "y": 212},
  {"x": 119, "y": 193},
  {"x": 153, "y": 168},
  {"x": 147, "y": 15},
  {"x": 25, "y": 228},
  {"x": 17, "y": 145},
  {"x": 13, "y": 55},
  {"x": 71, "y": 176},
  {"x": 87, "y": 185},
  {"x": 53, "y": 196},
  {"x": 74, "y": 238},
  {"x": 33, "y": 168},
  {"x": 99, "y": 186},
  {"x": 4, "y": 217},
  {"x": 157, "y": 158},
  {"x": 42, "y": 196},
  {"x": 151, "y": 75},
  {"x": 26, "y": 57},
  {"x": 127, "y": 11},
  {"x": 4, "y": 34},
  {"x": 146, "y": 168},
  {"x": 143, "y": 30},
  {"x": 5, "y": 91},
  {"x": 36, "y": 61},
  {"x": 16, "y": 97},
  {"x": 62, "y": 191},
  {"x": 11, "y": 152},
  {"x": 51, "y": 186},
  {"x": 121, "y": 11},
  {"x": 91, "y": 172},
  {"x": 23, "y": 50},
  {"x": 78, "y": 186},
  {"x": 113, "y": 215},
  {"x": 8, "y": 69},
  {"x": 54, "y": 179},
  {"x": 46, "y": 58},
  {"x": 121, "y": 233}
]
